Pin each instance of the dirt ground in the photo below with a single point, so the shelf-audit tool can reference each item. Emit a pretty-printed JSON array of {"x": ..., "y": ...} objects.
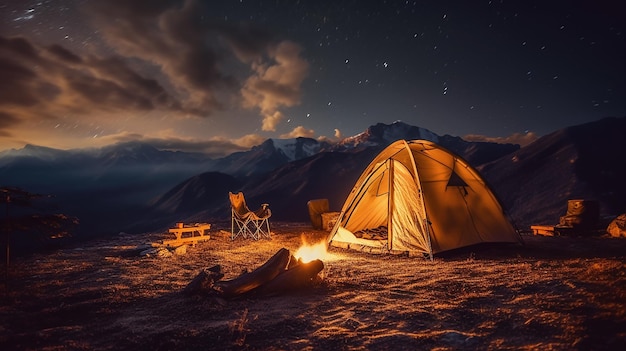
[{"x": 554, "y": 293}]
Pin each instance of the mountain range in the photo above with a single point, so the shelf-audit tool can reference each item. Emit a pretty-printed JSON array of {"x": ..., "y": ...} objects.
[
  {"x": 580, "y": 162},
  {"x": 135, "y": 187}
]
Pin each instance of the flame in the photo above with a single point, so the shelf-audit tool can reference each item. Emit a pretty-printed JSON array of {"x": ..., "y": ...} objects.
[{"x": 308, "y": 253}]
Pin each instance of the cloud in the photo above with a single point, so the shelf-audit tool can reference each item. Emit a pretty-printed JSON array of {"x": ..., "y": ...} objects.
[
  {"x": 337, "y": 137},
  {"x": 170, "y": 37},
  {"x": 214, "y": 147},
  {"x": 48, "y": 82},
  {"x": 249, "y": 140},
  {"x": 516, "y": 138},
  {"x": 299, "y": 131},
  {"x": 20, "y": 82},
  {"x": 276, "y": 83},
  {"x": 209, "y": 62},
  {"x": 338, "y": 134},
  {"x": 271, "y": 119},
  {"x": 165, "y": 56}
]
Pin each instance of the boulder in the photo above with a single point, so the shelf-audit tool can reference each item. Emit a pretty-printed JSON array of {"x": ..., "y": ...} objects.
[
  {"x": 156, "y": 252},
  {"x": 180, "y": 250},
  {"x": 163, "y": 252}
]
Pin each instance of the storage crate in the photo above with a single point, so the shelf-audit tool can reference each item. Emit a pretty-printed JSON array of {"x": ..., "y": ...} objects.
[{"x": 329, "y": 219}]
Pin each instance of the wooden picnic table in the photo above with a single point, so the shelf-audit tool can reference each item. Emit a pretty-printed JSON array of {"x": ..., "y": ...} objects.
[
  {"x": 555, "y": 230},
  {"x": 189, "y": 234},
  {"x": 547, "y": 230}
]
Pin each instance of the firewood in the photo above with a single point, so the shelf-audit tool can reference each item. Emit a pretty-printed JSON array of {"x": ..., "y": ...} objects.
[
  {"x": 296, "y": 278},
  {"x": 248, "y": 281},
  {"x": 293, "y": 261},
  {"x": 204, "y": 281}
]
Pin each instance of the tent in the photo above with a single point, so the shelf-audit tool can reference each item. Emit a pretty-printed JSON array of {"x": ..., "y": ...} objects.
[{"x": 418, "y": 197}]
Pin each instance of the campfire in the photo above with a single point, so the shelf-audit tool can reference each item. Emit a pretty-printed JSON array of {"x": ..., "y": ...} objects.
[
  {"x": 282, "y": 273},
  {"x": 307, "y": 253}
]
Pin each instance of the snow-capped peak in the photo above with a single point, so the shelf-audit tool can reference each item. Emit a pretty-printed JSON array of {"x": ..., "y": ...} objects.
[
  {"x": 384, "y": 134},
  {"x": 297, "y": 148}
]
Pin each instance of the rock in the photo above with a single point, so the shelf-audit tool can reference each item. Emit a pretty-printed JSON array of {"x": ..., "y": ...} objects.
[
  {"x": 144, "y": 247},
  {"x": 180, "y": 250},
  {"x": 148, "y": 252},
  {"x": 203, "y": 282},
  {"x": 617, "y": 227},
  {"x": 156, "y": 252},
  {"x": 163, "y": 252}
]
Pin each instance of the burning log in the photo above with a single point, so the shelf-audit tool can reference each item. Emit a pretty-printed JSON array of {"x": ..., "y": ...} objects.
[
  {"x": 295, "y": 278},
  {"x": 248, "y": 281},
  {"x": 281, "y": 273}
]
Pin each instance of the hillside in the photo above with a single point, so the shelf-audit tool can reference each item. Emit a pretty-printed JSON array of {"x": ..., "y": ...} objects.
[{"x": 579, "y": 162}]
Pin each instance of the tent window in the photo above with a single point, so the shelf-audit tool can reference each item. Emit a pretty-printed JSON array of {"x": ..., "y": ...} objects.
[{"x": 455, "y": 180}]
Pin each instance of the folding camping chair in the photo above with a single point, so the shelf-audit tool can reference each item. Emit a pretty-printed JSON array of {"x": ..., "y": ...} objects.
[{"x": 246, "y": 223}]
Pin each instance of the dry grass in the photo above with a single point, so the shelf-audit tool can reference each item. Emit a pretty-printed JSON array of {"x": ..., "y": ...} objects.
[{"x": 553, "y": 294}]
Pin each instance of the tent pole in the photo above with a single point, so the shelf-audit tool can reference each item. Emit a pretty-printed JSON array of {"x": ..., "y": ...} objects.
[{"x": 390, "y": 207}]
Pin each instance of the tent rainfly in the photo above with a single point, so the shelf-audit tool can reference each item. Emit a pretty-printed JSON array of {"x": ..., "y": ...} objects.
[{"x": 418, "y": 197}]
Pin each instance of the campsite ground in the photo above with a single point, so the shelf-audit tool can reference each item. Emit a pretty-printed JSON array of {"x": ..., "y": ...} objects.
[{"x": 556, "y": 293}]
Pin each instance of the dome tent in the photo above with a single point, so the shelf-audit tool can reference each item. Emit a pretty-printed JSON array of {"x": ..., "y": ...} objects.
[{"x": 416, "y": 196}]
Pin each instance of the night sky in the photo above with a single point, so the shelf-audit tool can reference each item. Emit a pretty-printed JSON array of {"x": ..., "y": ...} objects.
[{"x": 221, "y": 76}]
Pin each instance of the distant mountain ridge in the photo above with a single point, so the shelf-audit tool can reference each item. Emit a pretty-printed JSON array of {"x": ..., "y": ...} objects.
[
  {"x": 267, "y": 156},
  {"x": 259, "y": 160},
  {"x": 532, "y": 189},
  {"x": 110, "y": 187},
  {"x": 129, "y": 153},
  {"x": 137, "y": 187},
  {"x": 34, "y": 151}
]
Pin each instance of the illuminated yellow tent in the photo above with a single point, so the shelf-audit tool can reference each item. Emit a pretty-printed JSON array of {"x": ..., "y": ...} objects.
[{"x": 418, "y": 197}]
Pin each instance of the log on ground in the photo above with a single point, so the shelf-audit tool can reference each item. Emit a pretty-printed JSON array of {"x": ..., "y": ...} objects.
[
  {"x": 251, "y": 280},
  {"x": 295, "y": 278},
  {"x": 204, "y": 281}
]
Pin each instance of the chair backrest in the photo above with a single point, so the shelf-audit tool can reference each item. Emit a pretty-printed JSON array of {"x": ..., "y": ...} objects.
[{"x": 238, "y": 203}]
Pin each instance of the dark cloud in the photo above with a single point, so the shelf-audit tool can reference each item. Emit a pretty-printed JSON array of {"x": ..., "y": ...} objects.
[
  {"x": 213, "y": 148},
  {"x": 15, "y": 86},
  {"x": 132, "y": 9},
  {"x": 248, "y": 41},
  {"x": 176, "y": 57},
  {"x": 205, "y": 59},
  {"x": 170, "y": 36},
  {"x": 63, "y": 54},
  {"x": 148, "y": 93},
  {"x": 19, "y": 46},
  {"x": 48, "y": 82},
  {"x": 17, "y": 76},
  {"x": 521, "y": 139},
  {"x": 106, "y": 93}
]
